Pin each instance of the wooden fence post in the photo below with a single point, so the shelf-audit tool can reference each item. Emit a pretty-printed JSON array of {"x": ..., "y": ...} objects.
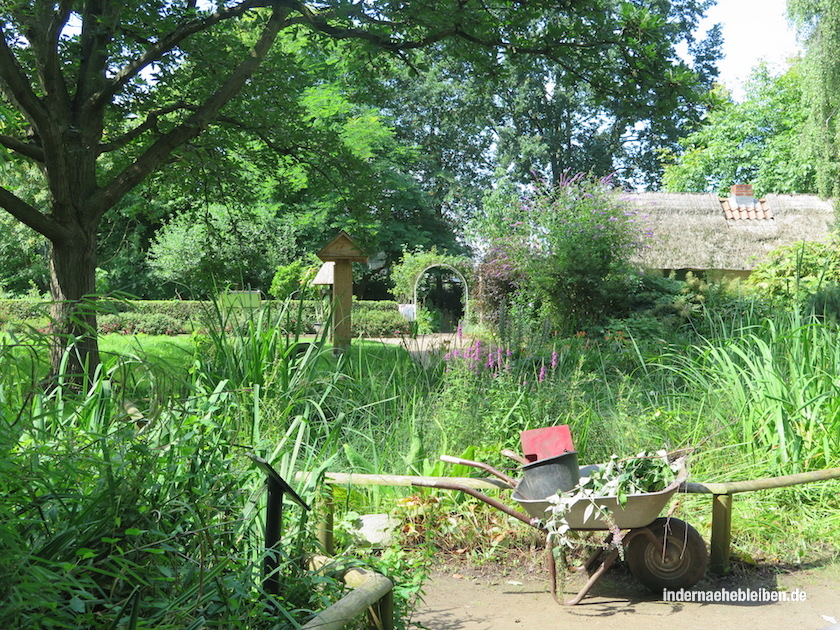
[
  {"x": 721, "y": 532},
  {"x": 327, "y": 521}
]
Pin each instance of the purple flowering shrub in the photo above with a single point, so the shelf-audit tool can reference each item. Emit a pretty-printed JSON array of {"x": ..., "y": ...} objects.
[
  {"x": 501, "y": 274},
  {"x": 564, "y": 250},
  {"x": 581, "y": 263}
]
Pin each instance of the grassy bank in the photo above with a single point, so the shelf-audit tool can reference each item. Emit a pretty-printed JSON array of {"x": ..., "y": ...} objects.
[{"x": 103, "y": 515}]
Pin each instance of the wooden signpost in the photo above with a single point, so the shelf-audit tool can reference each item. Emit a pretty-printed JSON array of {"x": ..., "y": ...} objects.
[{"x": 342, "y": 251}]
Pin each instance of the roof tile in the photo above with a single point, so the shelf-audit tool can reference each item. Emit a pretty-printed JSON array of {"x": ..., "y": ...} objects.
[{"x": 758, "y": 212}]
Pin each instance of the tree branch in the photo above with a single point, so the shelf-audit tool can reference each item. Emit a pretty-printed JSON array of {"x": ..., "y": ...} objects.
[
  {"x": 52, "y": 75},
  {"x": 168, "y": 42},
  {"x": 99, "y": 22},
  {"x": 28, "y": 215},
  {"x": 319, "y": 22},
  {"x": 147, "y": 125},
  {"x": 16, "y": 86},
  {"x": 136, "y": 172},
  {"x": 26, "y": 149}
]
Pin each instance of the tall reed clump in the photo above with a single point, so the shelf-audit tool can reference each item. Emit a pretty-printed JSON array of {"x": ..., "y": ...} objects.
[
  {"x": 774, "y": 386},
  {"x": 109, "y": 520}
]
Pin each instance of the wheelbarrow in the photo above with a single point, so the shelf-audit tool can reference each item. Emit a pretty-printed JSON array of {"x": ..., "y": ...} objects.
[{"x": 661, "y": 552}]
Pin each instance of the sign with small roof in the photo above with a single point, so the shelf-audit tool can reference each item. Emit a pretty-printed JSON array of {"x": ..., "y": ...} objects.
[
  {"x": 342, "y": 247},
  {"x": 342, "y": 251}
]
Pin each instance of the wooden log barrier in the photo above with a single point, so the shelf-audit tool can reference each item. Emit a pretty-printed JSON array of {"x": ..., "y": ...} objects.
[
  {"x": 720, "y": 543},
  {"x": 372, "y": 593},
  {"x": 721, "y": 500}
]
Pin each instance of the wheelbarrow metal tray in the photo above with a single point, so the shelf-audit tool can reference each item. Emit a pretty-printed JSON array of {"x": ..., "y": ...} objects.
[{"x": 638, "y": 511}]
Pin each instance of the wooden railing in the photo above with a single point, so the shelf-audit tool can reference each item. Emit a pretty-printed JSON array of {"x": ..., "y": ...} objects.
[
  {"x": 372, "y": 594},
  {"x": 721, "y": 500}
]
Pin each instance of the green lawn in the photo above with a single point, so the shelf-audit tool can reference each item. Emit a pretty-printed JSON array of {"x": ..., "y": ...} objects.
[{"x": 174, "y": 351}]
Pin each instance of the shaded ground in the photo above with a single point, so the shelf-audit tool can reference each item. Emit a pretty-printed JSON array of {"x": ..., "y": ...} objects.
[{"x": 462, "y": 598}]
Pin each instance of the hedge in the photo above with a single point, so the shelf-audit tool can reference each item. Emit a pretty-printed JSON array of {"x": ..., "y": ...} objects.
[{"x": 370, "y": 318}]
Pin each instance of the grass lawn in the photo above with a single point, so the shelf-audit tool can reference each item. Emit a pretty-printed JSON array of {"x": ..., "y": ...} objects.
[{"x": 175, "y": 351}]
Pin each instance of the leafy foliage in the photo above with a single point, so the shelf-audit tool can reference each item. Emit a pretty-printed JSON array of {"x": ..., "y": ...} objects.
[
  {"x": 565, "y": 249},
  {"x": 793, "y": 272},
  {"x": 819, "y": 28},
  {"x": 646, "y": 472},
  {"x": 293, "y": 280},
  {"x": 221, "y": 247},
  {"x": 407, "y": 273},
  {"x": 757, "y": 141},
  {"x": 582, "y": 269}
]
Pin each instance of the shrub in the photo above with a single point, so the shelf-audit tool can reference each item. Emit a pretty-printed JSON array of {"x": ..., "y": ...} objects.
[
  {"x": 149, "y": 324},
  {"x": 379, "y": 323},
  {"x": 21, "y": 310},
  {"x": 793, "y": 272},
  {"x": 292, "y": 280},
  {"x": 501, "y": 274},
  {"x": 825, "y": 303},
  {"x": 565, "y": 251},
  {"x": 583, "y": 242}
]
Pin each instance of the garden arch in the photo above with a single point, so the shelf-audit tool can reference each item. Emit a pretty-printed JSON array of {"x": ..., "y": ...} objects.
[{"x": 460, "y": 275}]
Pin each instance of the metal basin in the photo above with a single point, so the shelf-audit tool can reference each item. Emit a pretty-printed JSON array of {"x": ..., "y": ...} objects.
[
  {"x": 545, "y": 477},
  {"x": 639, "y": 510}
]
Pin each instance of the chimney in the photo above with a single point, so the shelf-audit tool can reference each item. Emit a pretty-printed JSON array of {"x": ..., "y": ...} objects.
[
  {"x": 741, "y": 196},
  {"x": 741, "y": 190}
]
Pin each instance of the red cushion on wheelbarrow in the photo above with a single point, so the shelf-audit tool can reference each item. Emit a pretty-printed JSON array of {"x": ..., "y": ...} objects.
[{"x": 546, "y": 442}]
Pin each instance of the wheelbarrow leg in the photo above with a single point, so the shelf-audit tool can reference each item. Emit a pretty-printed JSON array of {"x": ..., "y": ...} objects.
[
  {"x": 592, "y": 560},
  {"x": 606, "y": 564}
]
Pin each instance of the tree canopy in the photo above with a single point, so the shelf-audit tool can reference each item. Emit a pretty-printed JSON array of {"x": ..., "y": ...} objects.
[
  {"x": 818, "y": 23},
  {"x": 757, "y": 141},
  {"x": 103, "y": 97}
]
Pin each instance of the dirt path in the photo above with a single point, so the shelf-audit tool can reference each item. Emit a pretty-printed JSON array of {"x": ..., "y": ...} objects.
[
  {"x": 480, "y": 601},
  {"x": 422, "y": 347}
]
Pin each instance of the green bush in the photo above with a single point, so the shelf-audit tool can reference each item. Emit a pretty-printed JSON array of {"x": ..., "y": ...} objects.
[
  {"x": 379, "y": 323},
  {"x": 825, "y": 303},
  {"x": 794, "y": 271},
  {"x": 173, "y": 317},
  {"x": 149, "y": 324},
  {"x": 585, "y": 238},
  {"x": 293, "y": 280},
  {"x": 22, "y": 310}
]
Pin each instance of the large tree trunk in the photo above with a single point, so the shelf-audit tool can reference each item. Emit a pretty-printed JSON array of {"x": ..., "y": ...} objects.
[{"x": 73, "y": 311}]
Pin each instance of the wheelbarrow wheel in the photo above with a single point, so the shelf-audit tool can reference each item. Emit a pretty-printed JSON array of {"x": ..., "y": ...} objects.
[{"x": 677, "y": 559}]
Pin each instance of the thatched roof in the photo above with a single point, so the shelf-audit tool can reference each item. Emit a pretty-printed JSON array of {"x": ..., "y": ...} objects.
[{"x": 692, "y": 231}]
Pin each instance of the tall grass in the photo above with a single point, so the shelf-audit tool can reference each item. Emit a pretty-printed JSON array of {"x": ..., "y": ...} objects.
[
  {"x": 775, "y": 386},
  {"x": 107, "y": 521},
  {"x": 110, "y": 522}
]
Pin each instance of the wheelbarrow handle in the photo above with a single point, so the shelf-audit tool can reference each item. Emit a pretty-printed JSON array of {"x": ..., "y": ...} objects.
[
  {"x": 445, "y": 485},
  {"x": 486, "y": 467},
  {"x": 514, "y": 456}
]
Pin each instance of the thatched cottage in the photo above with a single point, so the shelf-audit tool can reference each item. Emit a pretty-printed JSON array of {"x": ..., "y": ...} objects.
[{"x": 731, "y": 236}]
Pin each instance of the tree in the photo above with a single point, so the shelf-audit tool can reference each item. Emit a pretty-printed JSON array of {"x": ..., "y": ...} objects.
[
  {"x": 818, "y": 23},
  {"x": 207, "y": 250},
  {"x": 757, "y": 141},
  {"x": 101, "y": 95},
  {"x": 552, "y": 122}
]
